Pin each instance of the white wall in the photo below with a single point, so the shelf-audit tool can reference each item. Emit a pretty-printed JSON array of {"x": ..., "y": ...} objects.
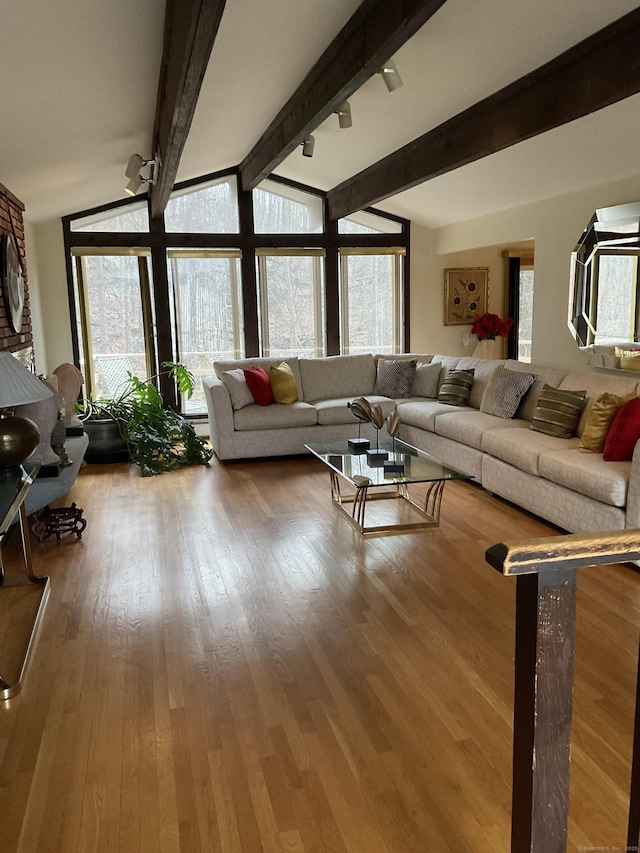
[
  {"x": 49, "y": 299},
  {"x": 555, "y": 225}
]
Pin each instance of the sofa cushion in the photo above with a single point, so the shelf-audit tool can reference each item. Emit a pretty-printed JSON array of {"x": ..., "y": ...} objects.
[
  {"x": 394, "y": 377},
  {"x": 447, "y": 363},
  {"x": 522, "y": 447},
  {"x": 599, "y": 420},
  {"x": 558, "y": 412},
  {"x": 483, "y": 370},
  {"x": 623, "y": 433},
  {"x": 470, "y": 427},
  {"x": 336, "y": 411},
  {"x": 337, "y": 376},
  {"x": 283, "y": 384},
  {"x": 275, "y": 417},
  {"x": 259, "y": 384},
  {"x": 426, "y": 380},
  {"x": 505, "y": 390},
  {"x": 423, "y": 413},
  {"x": 456, "y": 387},
  {"x": 597, "y": 384},
  {"x": 236, "y": 384},
  {"x": 544, "y": 376},
  {"x": 587, "y": 474}
]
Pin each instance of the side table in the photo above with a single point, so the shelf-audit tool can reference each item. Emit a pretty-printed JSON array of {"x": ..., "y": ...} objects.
[{"x": 22, "y": 600}]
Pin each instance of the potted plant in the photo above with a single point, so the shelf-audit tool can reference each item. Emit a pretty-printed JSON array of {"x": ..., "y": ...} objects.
[{"x": 136, "y": 425}]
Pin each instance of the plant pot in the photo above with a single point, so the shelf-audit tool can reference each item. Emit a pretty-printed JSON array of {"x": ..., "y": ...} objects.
[{"x": 105, "y": 442}]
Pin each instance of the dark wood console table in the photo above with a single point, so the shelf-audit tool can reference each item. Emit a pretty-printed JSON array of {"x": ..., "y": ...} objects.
[{"x": 22, "y": 599}]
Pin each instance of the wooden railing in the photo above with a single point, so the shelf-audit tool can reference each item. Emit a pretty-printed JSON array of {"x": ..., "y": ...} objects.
[{"x": 545, "y": 571}]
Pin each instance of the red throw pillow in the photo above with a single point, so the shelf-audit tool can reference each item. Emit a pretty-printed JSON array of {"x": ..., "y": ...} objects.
[
  {"x": 259, "y": 385},
  {"x": 623, "y": 433}
]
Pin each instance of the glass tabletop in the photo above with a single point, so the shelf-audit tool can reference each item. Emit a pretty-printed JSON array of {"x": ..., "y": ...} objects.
[{"x": 359, "y": 470}]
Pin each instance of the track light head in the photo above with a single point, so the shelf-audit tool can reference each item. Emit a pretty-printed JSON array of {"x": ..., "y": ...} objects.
[
  {"x": 134, "y": 185},
  {"x": 308, "y": 146},
  {"x": 344, "y": 114},
  {"x": 391, "y": 76},
  {"x": 133, "y": 172},
  {"x": 136, "y": 162}
]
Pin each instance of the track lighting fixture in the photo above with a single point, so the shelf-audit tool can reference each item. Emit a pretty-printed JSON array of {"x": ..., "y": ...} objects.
[
  {"x": 344, "y": 114},
  {"x": 308, "y": 146},
  {"x": 391, "y": 76},
  {"x": 133, "y": 172}
]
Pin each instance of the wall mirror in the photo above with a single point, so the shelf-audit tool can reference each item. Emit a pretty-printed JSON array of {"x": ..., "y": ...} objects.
[{"x": 604, "y": 304}]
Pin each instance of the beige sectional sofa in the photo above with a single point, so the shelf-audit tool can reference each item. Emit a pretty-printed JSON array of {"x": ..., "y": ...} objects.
[{"x": 548, "y": 476}]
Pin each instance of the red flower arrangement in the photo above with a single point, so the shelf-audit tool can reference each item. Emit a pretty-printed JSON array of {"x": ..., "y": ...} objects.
[{"x": 490, "y": 326}]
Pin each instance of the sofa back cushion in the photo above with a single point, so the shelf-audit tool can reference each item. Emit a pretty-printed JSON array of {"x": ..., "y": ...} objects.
[
  {"x": 337, "y": 376},
  {"x": 596, "y": 384},
  {"x": 483, "y": 370},
  {"x": 426, "y": 380},
  {"x": 447, "y": 363}
]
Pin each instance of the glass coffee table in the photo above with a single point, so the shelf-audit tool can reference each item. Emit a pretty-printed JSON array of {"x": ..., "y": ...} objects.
[{"x": 372, "y": 482}]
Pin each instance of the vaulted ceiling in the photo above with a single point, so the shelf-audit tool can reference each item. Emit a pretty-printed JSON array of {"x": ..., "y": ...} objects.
[{"x": 80, "y": 84}]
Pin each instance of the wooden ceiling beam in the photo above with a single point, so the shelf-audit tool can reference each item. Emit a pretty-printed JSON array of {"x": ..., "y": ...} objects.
[
  {"x": 369, "y": 39},
  {"x": 190, "y": 30},
  {"x": 597, "y": 72}
]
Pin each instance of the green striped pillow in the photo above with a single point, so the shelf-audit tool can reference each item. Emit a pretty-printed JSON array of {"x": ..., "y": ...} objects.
[
  {"x": 456, "y": 387},
  {"x": 558, "y": 412}
]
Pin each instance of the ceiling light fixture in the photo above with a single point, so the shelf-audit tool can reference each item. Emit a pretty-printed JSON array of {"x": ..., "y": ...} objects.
[
  {"x": 133, "y": 172},
  {"x": 308, "y": 145},
  {"x": 391, "y": 76},
  {"x": 344, "y": 114}
]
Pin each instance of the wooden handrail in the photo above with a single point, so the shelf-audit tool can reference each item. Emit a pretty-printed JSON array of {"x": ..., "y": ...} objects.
[{"x": 546, "y": 570}]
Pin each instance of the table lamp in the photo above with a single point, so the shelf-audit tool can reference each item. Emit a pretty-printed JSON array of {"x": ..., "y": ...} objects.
[{"x": 18, "y": 436}]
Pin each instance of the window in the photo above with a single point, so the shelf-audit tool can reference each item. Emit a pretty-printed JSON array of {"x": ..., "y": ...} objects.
[
  {"x": 371, "y": 314},
  {"x": 364, "y": 222},
  {"x": 132, "y": 218},
  {"x": 228, "y": 273},
  {"x": 210, "y": 208},
  {"x": 207, "y": 312},
  {"x": 282, "y": 209},
  {"x": 114, "y": 305},
  {"x": 291, "y": 301},
  {"x": 520, "y": 304}
]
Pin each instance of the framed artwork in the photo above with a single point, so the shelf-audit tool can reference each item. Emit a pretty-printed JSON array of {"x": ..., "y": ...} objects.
[{"x": 466, "y": 293}]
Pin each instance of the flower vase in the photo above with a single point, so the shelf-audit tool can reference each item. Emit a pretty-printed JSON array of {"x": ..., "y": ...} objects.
[{"x": 488, "y": 348}]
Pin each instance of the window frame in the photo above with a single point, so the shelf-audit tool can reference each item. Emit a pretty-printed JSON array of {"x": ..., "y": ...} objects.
[{"x": 157, "y": 240}]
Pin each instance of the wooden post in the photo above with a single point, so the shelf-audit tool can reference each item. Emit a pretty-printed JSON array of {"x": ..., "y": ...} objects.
[
  {"x": 633, "y": 833},
  {"x": 546, "y": 571},
  {"x": 545, "y": 628}
]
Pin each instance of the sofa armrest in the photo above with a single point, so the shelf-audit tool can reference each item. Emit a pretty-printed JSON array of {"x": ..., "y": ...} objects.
[
  {"x": 221, "y": 424},
  {"x": 633, "y": 493}
]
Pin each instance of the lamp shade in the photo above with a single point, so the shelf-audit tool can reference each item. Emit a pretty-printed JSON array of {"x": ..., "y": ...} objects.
[{"x": 18, "y": 385}]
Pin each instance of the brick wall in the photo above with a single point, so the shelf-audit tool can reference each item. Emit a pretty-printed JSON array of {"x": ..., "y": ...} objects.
[{"x": 11, "y": 222}]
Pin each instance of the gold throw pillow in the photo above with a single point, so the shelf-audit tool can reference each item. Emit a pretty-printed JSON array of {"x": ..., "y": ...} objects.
[
  {"x": 283, "y": 383},
  {"x": 599, "y": 420}
]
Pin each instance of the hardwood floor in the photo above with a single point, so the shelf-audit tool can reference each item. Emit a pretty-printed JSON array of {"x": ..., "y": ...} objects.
[{"x": 224, "y": 665}]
